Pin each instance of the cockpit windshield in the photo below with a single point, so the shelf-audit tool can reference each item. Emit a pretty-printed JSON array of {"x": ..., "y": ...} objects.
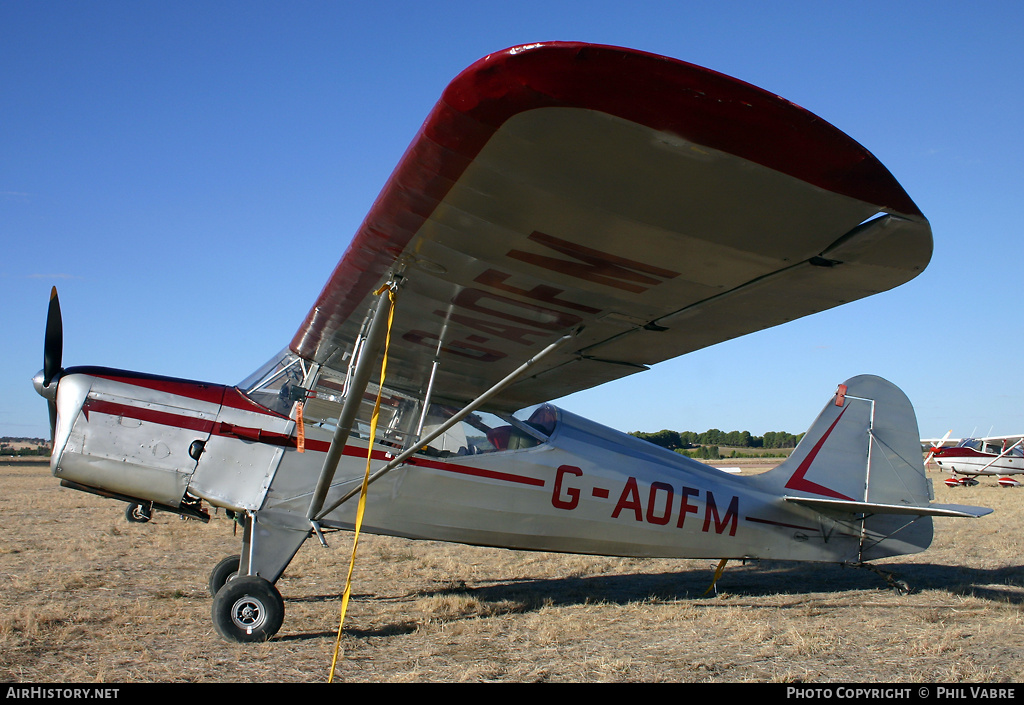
[
  {"x": 401, "y": 423},
  {"x": 278, "y": 383}
]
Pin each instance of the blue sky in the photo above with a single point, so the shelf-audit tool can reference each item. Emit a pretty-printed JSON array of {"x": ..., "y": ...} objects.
[{"x": 188, "y": 174}]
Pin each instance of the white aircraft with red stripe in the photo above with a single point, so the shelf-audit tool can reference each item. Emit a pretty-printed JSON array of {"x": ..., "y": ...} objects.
[
  {"x": 965, "y": 459},
  {"x": 568, "y": 214}
]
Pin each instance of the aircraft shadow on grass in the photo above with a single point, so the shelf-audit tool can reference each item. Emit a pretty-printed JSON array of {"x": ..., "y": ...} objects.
[
  {"x": 751, "y": 580},
  {"x": 517, "y": 596}
]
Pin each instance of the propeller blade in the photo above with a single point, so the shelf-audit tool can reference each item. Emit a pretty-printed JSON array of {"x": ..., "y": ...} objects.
[
  {"x": 936, "y": 447},
  {"x": 53, "y": 344},
  {"x": 53, "y": 419}
]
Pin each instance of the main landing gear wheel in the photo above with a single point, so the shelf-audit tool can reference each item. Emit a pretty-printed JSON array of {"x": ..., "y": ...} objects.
[
  {"x": 138, "y": 513},
  {"x": 226, "y": 570},
  {"x": 248, "y": 609}
]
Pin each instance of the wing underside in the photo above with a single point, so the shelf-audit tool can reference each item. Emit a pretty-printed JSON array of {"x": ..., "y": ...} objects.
[{"x": 652, "y": 206}]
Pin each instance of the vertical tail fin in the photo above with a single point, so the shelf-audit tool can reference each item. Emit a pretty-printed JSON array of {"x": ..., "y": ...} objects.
[
  {"x": 860, "y": 463},
  {"x": 864, "y": 446}
]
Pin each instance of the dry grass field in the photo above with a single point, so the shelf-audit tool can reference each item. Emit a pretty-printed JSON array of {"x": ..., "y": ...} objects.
[{"x": 87, "y": 597}]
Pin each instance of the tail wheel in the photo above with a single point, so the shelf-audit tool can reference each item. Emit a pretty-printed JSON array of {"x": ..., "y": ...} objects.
[
  {"x": 138, "y": 513},
  {"x": 901, "y": 588},
  {"x": 226, "y": 570},
  {"x": 248, "y": 609}
]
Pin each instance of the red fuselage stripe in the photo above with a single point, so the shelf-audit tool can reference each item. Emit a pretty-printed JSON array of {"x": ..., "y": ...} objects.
[
  {"x": 226, "y": 430},
  {"x": 964, "y": 453},
  {"x": 163, "y": 418},
  {"x": 230, "y": 397}
]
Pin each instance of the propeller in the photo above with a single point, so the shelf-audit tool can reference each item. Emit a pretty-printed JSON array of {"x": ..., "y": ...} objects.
[
  {"x": 936, "y": 447},
  {"x": 53, "y": 346}
]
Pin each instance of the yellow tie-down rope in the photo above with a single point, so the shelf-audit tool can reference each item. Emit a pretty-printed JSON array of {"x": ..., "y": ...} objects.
[
  {"x": 718, "y": 574},
  {"x": 366, "y": 476}
]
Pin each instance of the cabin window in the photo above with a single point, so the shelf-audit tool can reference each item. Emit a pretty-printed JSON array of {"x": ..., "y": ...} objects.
[
  {"x": 542, "y": 418},
  {"x": 396, "y": 420},
  {"x": 483, "y": 432},
  {"x": 278, "y": 385}
]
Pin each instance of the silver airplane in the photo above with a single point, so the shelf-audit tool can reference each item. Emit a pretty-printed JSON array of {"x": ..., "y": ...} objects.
[{"x": 567, "y": 215}]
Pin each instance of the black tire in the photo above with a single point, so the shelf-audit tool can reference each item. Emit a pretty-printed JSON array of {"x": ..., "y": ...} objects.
[
  {"x": 226, "y": 570},
  {"x": 138, "y": 513},
  {"x": 248, "y": 609}
]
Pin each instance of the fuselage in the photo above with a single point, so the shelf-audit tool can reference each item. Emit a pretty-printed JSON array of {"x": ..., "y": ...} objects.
[
  {"x": 975, "y": 457},
  {"x": 575, "y": 487}
]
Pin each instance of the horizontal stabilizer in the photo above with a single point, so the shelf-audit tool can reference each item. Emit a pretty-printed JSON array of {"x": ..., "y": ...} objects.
[{"x": 935, "y": 510}]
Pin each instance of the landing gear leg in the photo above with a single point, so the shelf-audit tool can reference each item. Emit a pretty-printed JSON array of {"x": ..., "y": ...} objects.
[{"x": 246, "y": 605}]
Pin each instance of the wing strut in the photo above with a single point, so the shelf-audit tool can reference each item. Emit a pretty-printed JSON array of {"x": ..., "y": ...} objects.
[
  {"x": 1001, "y": 455},
  {"x": 360, "y": 378},
  {"x": 465, "y": 411}
]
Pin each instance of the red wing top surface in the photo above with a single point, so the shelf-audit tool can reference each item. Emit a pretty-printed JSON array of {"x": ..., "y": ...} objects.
[{"x": 654, "y": 206}]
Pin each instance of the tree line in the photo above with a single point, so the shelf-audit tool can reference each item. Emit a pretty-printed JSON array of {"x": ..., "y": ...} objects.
[
  {"x": 707, "y": 444},
  {"x": 8, "y": 451},
  {"x": 15, "y": 446}
]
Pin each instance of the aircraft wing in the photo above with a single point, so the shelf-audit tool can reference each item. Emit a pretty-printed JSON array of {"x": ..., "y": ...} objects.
[
  {"x": 948, "y": 442},
  {"x": 1008, "y": 439},
  {"x": 652, "y": 205},
  {"x": 945, "y": 441}
]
